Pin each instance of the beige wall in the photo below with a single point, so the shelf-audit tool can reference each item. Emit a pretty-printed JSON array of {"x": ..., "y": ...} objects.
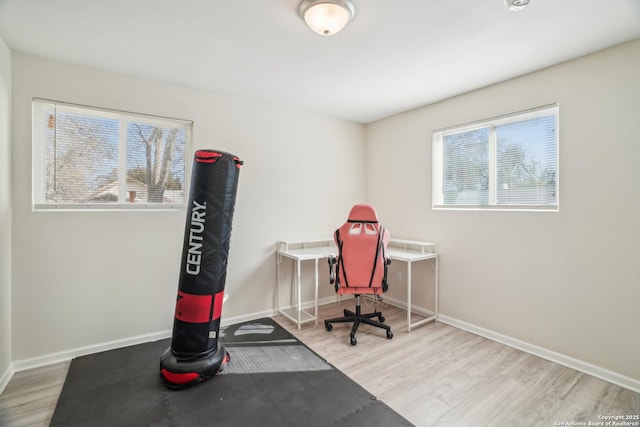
[
  {"x": 86, "y": 278},
  {"x": 566, "y": 281},
  {"x": 5, "y": 211}
]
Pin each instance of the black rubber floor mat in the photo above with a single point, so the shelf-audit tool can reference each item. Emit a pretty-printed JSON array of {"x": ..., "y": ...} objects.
[{"x": 123, "y": 388}]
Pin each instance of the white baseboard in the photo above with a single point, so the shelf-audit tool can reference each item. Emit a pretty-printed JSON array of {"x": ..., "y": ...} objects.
[
  {"x": 305, "y": 305},
  {"x": 6, "y": 377},
  {"x": 247, "y": 317},
  {"x": 403, "y": 305},
  {"x": 66, "y": 355},
  {"x": 570, "y": 362}
]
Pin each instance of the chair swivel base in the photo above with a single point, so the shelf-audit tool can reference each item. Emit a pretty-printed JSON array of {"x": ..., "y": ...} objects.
[{"x": 357, "y": 318}]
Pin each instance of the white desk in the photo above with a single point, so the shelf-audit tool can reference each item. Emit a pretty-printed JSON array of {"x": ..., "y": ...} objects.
[
  {"x": 300, "y": 251},
  {"x": 411, "y": 251},
  {"x": 408, "y": 251}
]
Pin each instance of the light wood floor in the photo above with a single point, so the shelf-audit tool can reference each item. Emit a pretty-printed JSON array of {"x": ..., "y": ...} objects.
[
  {"x": 436, "y": 375},
  {"x": 31, "y": 396}
]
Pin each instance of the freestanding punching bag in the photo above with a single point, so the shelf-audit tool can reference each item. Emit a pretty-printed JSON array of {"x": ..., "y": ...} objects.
[{"x": 195, "y": 353}]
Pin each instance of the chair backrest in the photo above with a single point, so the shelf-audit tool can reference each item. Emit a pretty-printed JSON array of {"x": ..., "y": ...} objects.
[{"x": 362, "y": 243}]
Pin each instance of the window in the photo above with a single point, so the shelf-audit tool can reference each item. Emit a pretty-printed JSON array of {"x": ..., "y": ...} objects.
[
  {"x": 509, "y": 163},
  {"x": 91, "y": 158}
]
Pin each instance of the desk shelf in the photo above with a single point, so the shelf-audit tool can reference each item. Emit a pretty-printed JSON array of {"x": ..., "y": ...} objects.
[{"x": 292, "y": 314}]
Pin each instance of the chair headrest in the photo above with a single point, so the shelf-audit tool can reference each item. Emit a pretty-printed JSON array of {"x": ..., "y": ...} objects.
[{"x": 363, "y": 213}]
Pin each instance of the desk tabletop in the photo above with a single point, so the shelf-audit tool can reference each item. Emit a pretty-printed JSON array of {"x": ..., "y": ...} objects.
[
  {"x": 409, "y": 255},
  {"x": 398, "y": 249},
  {"x": 315, "y": 252}
]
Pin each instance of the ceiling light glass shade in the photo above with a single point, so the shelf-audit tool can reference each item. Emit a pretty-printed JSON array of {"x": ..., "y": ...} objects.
[
  {"x": 326, "y": 17},
  {"x": 516, "y": 5}
]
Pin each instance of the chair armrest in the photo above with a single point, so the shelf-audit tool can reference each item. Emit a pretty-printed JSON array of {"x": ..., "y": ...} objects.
[
  {"x": 385, "y": 283},
  {"x": 332, "y": 274}
]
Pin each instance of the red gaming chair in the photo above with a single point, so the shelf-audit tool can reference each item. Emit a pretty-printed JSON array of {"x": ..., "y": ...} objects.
[{"x": 361, "y": 266}]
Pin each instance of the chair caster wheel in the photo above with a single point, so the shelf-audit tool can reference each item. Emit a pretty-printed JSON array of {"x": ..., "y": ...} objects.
[
  {"x": 353, "y": 340},
  {"x": 381, "y": 318},
  {"x": 328, "y": 326},
  {"x": 389, "y": 334}
]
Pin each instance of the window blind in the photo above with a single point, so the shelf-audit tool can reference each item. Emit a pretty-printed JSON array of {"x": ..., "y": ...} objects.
[
  {"x": 86, "y": 158},
  {"x": 510, "y": 162}
]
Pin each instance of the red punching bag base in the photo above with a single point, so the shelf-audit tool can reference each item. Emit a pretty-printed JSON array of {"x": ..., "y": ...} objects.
[{"x": 180, "y": 373}]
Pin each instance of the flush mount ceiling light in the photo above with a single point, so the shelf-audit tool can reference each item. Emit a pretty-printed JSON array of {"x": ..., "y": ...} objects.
[
  {"x": 516, "y": 5},
  {"x": 326, "y": 17}
]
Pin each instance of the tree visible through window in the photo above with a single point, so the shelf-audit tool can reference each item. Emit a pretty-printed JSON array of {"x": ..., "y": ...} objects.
[
  {"x": 86, "y": 157},
  {"x": 506, "y": 163}
]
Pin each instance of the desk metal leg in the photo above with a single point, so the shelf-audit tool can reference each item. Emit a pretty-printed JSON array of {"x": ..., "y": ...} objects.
[
  {"x": 315, "y": 313},
  {"x": 278, "y": 260},
  {"x": 298, "y": 293},
  {"x": 434, "y": 316},
  {"x": 409, "y": 296},
  {"x": 437, "y": 286}
]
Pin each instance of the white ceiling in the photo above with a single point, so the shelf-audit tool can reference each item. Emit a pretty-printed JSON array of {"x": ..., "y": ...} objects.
[{"x": 394, "y": 56}]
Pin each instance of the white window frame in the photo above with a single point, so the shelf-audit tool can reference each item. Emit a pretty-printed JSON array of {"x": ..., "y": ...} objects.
[
  {"x": 38, "y": 169},
  {"x": 438, "y": 161}
]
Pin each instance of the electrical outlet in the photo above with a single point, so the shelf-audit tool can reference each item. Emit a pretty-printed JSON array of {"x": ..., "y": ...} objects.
[{"x": 398, "y": 277}]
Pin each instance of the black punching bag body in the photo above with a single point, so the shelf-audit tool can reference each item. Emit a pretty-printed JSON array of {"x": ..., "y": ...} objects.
[{"x": 195, "y": 354}]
